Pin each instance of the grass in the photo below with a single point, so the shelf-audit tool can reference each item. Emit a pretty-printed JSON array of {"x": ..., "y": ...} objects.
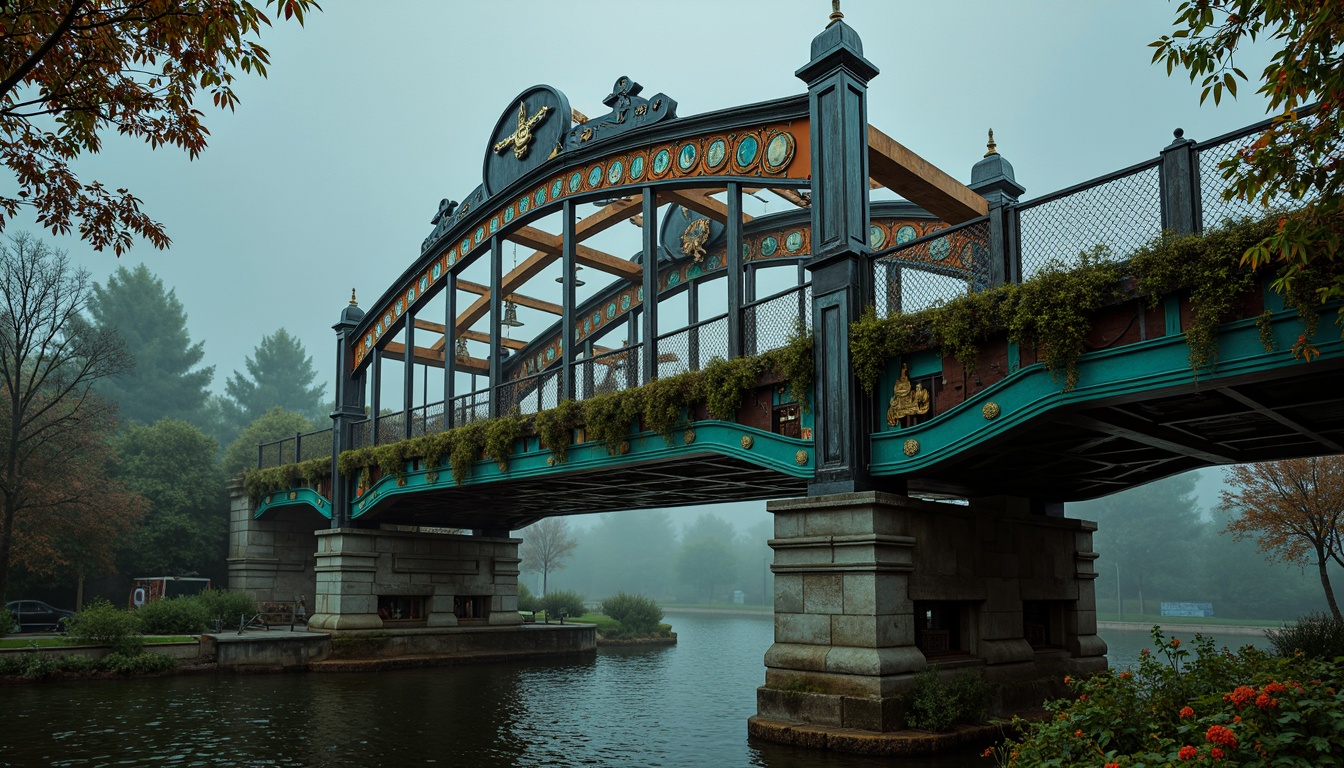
[
  {"x": 1189, "y": 621},
  {"x": 58, "y": 642},
  {"x": 604, "y": 622}
]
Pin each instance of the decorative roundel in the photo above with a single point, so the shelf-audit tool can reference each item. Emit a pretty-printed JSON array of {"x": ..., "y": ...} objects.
[
  {"x": 437, "y": 270},
  {"x": 611, "y": 310},
  {"x": 748, "y": 147},
  {"x": 636, "y": 167},
  {"x": 540, "y": 197},
  {"x": 378, "y": 329},
  {"x": 494, "y": 224},
  {"x": 662, "y": 161},
  {"x": 673, "y": 279},
  {"x": 686, "y": 157},
  {"x": 410, "y": 296},
  {"x": 990, "y": 410},
  {"x": 713, "y": 262},
  {"x": 368, "y": 340},
  {"x": 594, "y": 176},
  {"x": 508, "y": 214},
  {"x": 524, "y": 203},
  {"x": 480, "y": 234},
  {"x": 387, "y": 320},
  {"x": 575, "y": 181},
  {"x": 877, "y": 236},
  {"x": 538, "y": 360},
  {"x": 550, "y": 354},
  {"x": 424, "y": 283},
  {"x": 399, "y": 308},
  {"x": 970, "y": 254},
  {"x": 911, "y": 447},
  {"x": 625, "y": 301},
  {"x": 587, "y": 325},
  {"x": 452, "y": 257},
  {"x": 694, "y": 272},
  {"x": 597, "y": 319},
  {"x": 939, "y": 249},
  {"x": 528, "y": 368},
  {"x": 615, "y": 172},
  {"x": 639, "y": 294},
  {"x": 746, "y": 251},
  {"x": 466, "y": 246},
  {"x": 793, "y": 241},
  {"x": 716, "y": 154},
  {"x": 779, "y": 151},
  {"x": 769, "y": 245},
  {"x": 905, "y": 234},
  {"x": 557, "y": 187}
]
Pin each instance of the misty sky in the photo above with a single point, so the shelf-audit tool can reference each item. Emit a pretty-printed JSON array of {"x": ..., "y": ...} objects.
[{"x": 327, "y": 176}]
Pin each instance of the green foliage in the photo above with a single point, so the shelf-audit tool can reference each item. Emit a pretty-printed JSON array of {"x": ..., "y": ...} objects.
[
  {"x": 280, "y": 374},
  {"x": 1052, "y": 311},
  {"x": 172, "y": 616},
  {"x": 665, "y": 402},
  {"x": 874, "y": 341},
  {"x": 275, "y": 424},
  {"x": 526, "y": 600},
  {"x": 152, "y": 324},
  {"x": 961, "y": 327},
  {"x": 556, "y": 427},
  {"x": 101, "y": 623},
  {"x": 1178, "y": 707},
  {"x": 501, "y": 435},
  {"x": 608, "y": 418},
  {"x": 138, "y": 663},
  {"x": 260, "y": 482},
  {"x": 795, "y": 361},
  {"x": 639, "y": 616},
  {"x": 934, "y": 706},
  {"x": 1316, "y": 636},
  {"x": 7, "y": 622},
  {"x": 727, "y": 383},
  {"x": 564, "y": 601},
  {"x": 467, "y": 446},
  {"x": 226, "y": 606}
]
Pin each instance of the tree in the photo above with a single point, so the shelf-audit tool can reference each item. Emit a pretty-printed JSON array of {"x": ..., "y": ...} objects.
[
  {"x": 280, "y": 373},
  {"x": 275, "y": 424},
  {"x": 632, "y": 551},
  {"x": 173, "y": 466},
  {"x": 546, "y": 547},
  {"x": 1301, "y": 159},
  {"x": 50, "y": 360},
  {"x": 153, "y": 325},
  {"x": 1294, "y": 510},
  {"x": 73, "y": 70},
  {"x": 707, "y": 558}
]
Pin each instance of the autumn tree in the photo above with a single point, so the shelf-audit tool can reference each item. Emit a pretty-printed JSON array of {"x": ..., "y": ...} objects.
[
  {"x": 1300, "y": 158},
  {"x": 546, "y": 546},
  {"x": 72, "y": 71},
  {"x": 1294, "y": 510},
  {"x": 51, "y": 358}
]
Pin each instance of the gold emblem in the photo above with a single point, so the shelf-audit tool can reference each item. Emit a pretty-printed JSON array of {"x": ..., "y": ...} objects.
[
  {"x": 689, "y": 437},
  {"x": 911, "y": 447},
  {"x": 801, "y": 458},
  {"x": 293, "y": 495},
  {"x": 906, "y": 401},
  {"x": 990, "y": 410},
  {"x": 747, "y": 442},
  {"x": 624, "y": 447},
  {"x": 521, "y": 140},
  {"x": 694, "y": 238}
]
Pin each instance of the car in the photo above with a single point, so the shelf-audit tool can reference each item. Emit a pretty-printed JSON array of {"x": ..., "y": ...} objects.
[{"x": 36, "y": 616}]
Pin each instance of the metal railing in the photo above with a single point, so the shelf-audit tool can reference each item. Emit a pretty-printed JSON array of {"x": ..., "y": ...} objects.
[
  {"x": 531, "y": 394},
  {"x": 473, "y": 406},
  {"x": 609, "y": 372},
  {"x": 692, "y": 347},
  {"x": 303, "y": 446},
  {"x": 769, "y": 323},
  {"x": 933, "y": 269}
]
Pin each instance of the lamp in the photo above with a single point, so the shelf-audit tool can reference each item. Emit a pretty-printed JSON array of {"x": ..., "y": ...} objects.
[
  {"x": 577, "y": 282},
  {"x": 511, "y": 316},
  {"x": 460, "y": 348}
]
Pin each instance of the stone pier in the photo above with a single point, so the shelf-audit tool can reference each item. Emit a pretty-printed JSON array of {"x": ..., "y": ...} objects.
[
  {"x": 872, "y": 589},
  {"x": 272, "y": 558}
]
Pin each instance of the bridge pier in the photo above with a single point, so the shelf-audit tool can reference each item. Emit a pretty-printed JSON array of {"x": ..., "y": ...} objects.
[
  {"x": 872, "y": 588},
  {"x": 271, "y": 558}
]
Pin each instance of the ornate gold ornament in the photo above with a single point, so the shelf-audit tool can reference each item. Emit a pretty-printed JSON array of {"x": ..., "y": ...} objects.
[
  {"x": 624, "y": 447},
  {"x": 293, "y": 495},
  {"x": 906, "y": 401},
  {"x": 801, "y": 458},
  {"x": 747, "y": 442},
  {"x": 911, "y": 447},
  {"x": 694, "y": 238},
  {"x": 586, "y": 134},
  {"x": 432, "y": 477},
  {"x": 401, "y": 482},
  {"x": 641, "y": 109},
  {"x": 550, "y": 461},
  {"x": 689, "y": 437},
  {"x": 521, "y": 139},
  {"x": 990, "y": 410}
]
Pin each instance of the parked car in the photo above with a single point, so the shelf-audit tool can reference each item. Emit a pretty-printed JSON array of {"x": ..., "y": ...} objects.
[{"x": 36, "y": 616}]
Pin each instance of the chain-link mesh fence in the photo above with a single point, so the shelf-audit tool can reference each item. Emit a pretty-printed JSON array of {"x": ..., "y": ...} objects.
[
  {"x": 609, "y": 372},
  {"x": 316, "y": 445},
  {"x": 359, "y": 434},
  {"x": 275, "y": 454},
  {"x": 427, "y": 419},
  {"x": 474, "y": 406},
  {"x": 933, "y": 269},
  {"x": 531, "y": 393},
  {"x": 1114, "y": 216},
  {"x": 391, "y": 428},
  {"x": 1219, "y": 210},
  {"x": 767, "y": 324}
]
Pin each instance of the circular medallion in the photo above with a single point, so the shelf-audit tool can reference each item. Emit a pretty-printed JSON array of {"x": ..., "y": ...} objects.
[
  {"x": 877, "y": 237},
  {"x": 939, "y": 249},
  {"x": 466, "y": 246},
  {"x": 494, "y": 224},
  {"x": 625, "y": 302},
  {"x": 538, "y": 361},
  {"x": 713, "y": 262},
  {"x": 524, "y": 203},
  {"x": 746, "y": 252},
  {"x": 399, "y": 308},
  {"x": 716, "y": 154},
  {"x": 905, "y": 234},
  {"x": 640, "y": 294},
  {"x": 793, "y": 241},
  {"x": 508, "y": 214},
  {"x": 557, "y": 187},
  {"x": 480, "y": 234},
  {"x": 801, "y": 458},
  {"x": 587, "y": 325},
  {"x": 911, "y": 447},
  {"x": 594, "y": 176},
  {"x": 779, "y": 152},
  {"x": 768, "y": 246},
  {"x": 694, "y": 272},
  {"x": 615, "y": 172},
  {"x": 673, "y": 279},
  {"x": 747, "y": 442},
  {"x": 437, "y": 270},
  {"x": 689, "y": 437},
  {"x": 575, "y": 181},
  {"x": 748, "y": 147},
  {"x": 636, "y": 167},
  {"x": 611, "y": 310},
  {"x": 624, "y": 447},
  {"x": 539, "y": 198},
  {"x": 550, "y": 354},
  {"x": 410, "y": 296},
  {"x": 597, "y": 319},
  {"x": 424, "y": 281},
  {"x": 686, "y": 157},
  {"x": 368, "y": 340},
  {"x": 662, "y": 161},
  {"x": 550, "y": 461},
  {"x": 990, "y": 410},
  {"x": 452, "y": 257}
]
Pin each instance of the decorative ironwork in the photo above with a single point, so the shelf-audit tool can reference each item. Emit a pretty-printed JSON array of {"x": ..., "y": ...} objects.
[
  {"x": 906, "y": 401},
  {"x": 911, "y": 447},
  {"x": 521, "y": 139},
  {"x": 990, "y": 410},
  {"x": 748, "y": 442},
  {"x": 801, "y": 458}
]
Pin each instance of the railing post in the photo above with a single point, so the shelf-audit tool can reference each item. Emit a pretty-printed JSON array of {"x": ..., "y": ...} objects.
[
  {"x": 376, "y": 393},
  {"x": 349, "y": 409},
  {"x": 734, "y": 266},
  {"x": 837, "y": 81},
  {"x": 568, "y": 247},
  {"x": 496, "y": 305},
  {"x": 1182, "y": 209},
  {"x": 298, "y": 446},
  {"x": 450, "y": 350},
  {"x": 649, "y": 370},
  {"x": 407, "y": 375},
  {"x": 260, "y": 455},
  {"x": 993, "y": 178}
]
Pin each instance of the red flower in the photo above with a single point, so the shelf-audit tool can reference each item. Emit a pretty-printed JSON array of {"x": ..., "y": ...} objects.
[
  {"x": 1083, "y": 697},
  {"x": 1187, "y": 712},
  {"x": 1126, "y": 675},
  {"x": 1144, "y": 652},
  {"x": 1265, "y": 701},
  {"x": 1275, "y": 688},
  {"x": 1216, "y": 753},
  {"x": 1241, "y": 696},
  {"x": 1188, "y": 753},
  {"x": 1175, "y": 642},
  {"x": 1236, "y": 719},
  {"x": 1112, "y": 765},
  {"x": 1068, "y": 680},
  {"x": 988, "y": 751},
  {"x": 1078, "y": 734},
  {"x": 1221, "y": 736}
]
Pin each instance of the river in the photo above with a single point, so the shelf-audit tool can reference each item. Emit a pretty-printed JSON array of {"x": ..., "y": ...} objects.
[{"x": 675, "y": 706}]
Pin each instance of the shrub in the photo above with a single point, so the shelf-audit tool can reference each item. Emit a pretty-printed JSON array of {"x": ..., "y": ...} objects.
[
  {"x": 138, "y": 663},
  {"x": 172, "y": 616},
  {"x": 638, "y": 615},
  {"x": 1315, "y": 635},
  {"x": 526, "y": 600},
  {"x": 564, "y": 601},
  {"x": 226, "y": 606},
  {"x": 7, "y": 622},
  {"x": 935, "y": 706},
  {"x": 101, "y": 623}
]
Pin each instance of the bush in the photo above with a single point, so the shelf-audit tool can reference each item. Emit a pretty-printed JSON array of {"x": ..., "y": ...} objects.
[
  {"x": 101, "y": 623},
  {"x": 7, "y": 622},
  {"x": 935, "y": 706},
  {"x": 564, "y": 601},
  {"x": 638, "y": 615},
  {"x": 526, "y": 600},
  {"x": 226, "y": 606},
  {"x": 138, "y": 663},
  {"x": 1208, "y": 708},
  {"x": 1315, "y": 635},
  {"x": 172, "y": 616}
]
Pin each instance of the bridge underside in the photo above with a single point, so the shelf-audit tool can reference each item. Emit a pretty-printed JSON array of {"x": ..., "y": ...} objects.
[{"x": 1071, "y": 454}]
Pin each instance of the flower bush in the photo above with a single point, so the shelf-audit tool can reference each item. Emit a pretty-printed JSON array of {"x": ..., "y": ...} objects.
[{"x": 1208, "y": 707}]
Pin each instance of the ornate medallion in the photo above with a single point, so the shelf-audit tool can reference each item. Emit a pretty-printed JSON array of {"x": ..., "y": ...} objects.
[
  {"x": 521, "y": 139},
  {"x": 747, "y": 442},
  {"x": 911, "y": 447},
  {"x": 689, "y": 437},
  {"x": 906, "y": 401},
  {"x": 615, "y": 172},
  {"x": 575, "y": 181},
  {"x": 801, "y": 458},
  {"x": 686, "y": 157},
  {"x": 595, "y": 176},
  {"x": 939, "y": 249},
  {"x": 877, "y": 237},
  {"x": 661, "y": 161},
  {"x": 905, "y": 234},
  {"x": 793, "y": 241},
  {"x": 716, "y": 154},
  {"x": 990, "y": 410},
  {"x": 636, "y": 167},
  {"x": 557, "y": 187},
  {"x": 748, "y": 147},
  {"x": 768, "y": 246},
  {"x": 694, "y": 238},
  {"x": 779, "y": 151}
]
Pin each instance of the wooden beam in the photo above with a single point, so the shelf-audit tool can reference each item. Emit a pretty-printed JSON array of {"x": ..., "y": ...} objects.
[
  {"x": 395, "y": 350},
  {"x": 921, "y": 182},
  {"x": 700, "y": 202},
  {"x": 550, "y": 244},
  {"x": 520, "y": 299}
]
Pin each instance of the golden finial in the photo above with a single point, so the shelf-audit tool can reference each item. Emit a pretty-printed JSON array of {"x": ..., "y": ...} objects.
[
  {"x": 836, "y": 15},
  {"x": 353, "y": 303},
  {"x": 991, "y": 147}
]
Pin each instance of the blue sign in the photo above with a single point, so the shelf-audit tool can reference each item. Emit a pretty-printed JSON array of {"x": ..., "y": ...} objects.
[{"x": 1196, "y": 610}]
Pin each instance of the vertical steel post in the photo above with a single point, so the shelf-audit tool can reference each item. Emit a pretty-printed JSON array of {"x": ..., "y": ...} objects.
[
  {"x": 1182, "y": 208},
  {"x": 734, "y": 266},
  {"x": 568, "y": 247},
  {"x": 408, "y": 375},
  {"x": 649, "y": 371},
  {"x": 496, "y": 285},
  {"x": 450, "y": 350}
]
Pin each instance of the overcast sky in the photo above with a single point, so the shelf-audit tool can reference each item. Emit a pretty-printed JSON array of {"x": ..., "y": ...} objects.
[{"x": 327, "y": 176}]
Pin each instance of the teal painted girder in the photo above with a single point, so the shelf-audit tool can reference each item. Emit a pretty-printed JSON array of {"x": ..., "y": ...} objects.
[
  {"x": 1030, "y": 392},
  {"x": 295, "y": 497}
]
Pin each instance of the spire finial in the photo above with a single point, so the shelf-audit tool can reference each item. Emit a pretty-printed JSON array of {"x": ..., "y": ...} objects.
[
  {"x": 353, "y": 303},
  {"x": 836, "y": 15},
  {"x": 991, "y": 148}
]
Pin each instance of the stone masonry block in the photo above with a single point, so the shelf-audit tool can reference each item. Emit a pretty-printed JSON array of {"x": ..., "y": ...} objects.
[
  {"x": 788, "y": 593},
  {"x": 823, "y": 593},
  {"x": 803, "y": 628}
]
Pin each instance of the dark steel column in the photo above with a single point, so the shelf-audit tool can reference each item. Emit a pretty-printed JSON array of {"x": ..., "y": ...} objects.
[
  {"x": 349, "y": 409},
  {"x": 567, "y": 332},
  {"x": 1182, "y": 208},
  {"x": 496, "y": 285},
  {"x": 734, "y": 266},
  {"x": 449, "y": 350},
  {"x": 377, "y": 392},
  {"x": 408, "y": 374},
  {"x": 649, "y": 371}
]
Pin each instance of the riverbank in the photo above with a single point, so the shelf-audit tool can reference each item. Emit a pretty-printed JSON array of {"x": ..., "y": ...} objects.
[{"x": 1178, "y": 626}]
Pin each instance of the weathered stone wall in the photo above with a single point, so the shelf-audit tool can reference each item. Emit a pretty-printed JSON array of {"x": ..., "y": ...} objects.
[{"x": 272, "y": 558}]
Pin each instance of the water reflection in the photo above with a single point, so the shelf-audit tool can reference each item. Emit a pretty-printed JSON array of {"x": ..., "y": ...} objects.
[{"x": 680, "y": 706}]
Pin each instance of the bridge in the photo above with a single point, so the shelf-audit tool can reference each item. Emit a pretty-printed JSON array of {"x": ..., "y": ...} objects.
[{"x": 918, "y": 384}]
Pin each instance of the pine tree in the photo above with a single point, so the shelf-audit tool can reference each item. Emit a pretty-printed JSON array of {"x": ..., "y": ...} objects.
[{"x": 279, "y": 373}]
